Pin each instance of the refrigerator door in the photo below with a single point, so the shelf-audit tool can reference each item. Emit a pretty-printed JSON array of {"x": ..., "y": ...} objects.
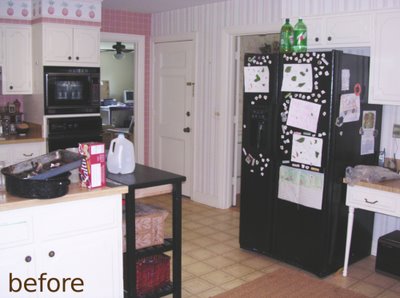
[
  {"x": 315, "y": 146},
  {"x": 258, "y": 176}
]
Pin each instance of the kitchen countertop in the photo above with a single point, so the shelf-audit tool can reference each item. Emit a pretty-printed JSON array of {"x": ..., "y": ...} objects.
[
  {"x": 75, "y": 192},
  {"x": 389, "y": 185},
  {"x": 34, "y": 134}
]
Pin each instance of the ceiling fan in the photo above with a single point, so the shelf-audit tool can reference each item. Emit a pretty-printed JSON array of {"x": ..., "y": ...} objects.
[{"x": 120, "y": 49}]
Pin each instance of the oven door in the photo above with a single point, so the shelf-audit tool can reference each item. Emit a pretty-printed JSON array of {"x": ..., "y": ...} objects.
[{"x": 56, "y": 142}]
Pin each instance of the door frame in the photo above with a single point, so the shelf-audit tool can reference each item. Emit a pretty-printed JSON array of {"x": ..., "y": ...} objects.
[
  {"x": 139, "y": 72},
  {"x": 227, "y": 133},
  {"x": 193, "y": 37}
]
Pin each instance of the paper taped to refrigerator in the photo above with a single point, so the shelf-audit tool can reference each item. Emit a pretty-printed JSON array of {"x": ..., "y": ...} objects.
[
  {"x": 307, "y": 150},
  {"x": 349, "y": 108},
  {"x": 297, "y": 78},
  {"x": 256, "y": 79},
  {"x": 345, "y": 79},
  {"x": 303, "y": 114},
  {"x": 301, "y": 187},
  {"x": 368, "y": 130}
]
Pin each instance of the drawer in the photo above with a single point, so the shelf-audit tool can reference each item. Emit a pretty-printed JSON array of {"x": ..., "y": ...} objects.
[
  {"x": 81, "y": 216},
  {"x": 15, "y": 229},
  {"x": 373, "y": 200},
  {"x": 21, "y": 151}
]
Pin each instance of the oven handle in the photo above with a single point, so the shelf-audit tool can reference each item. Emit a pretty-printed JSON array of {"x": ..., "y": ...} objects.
[{"x": 73, "y": 136}]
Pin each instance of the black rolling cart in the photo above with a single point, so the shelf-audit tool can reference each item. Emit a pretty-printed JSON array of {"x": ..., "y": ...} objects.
[{"x": 144, "y": 177}]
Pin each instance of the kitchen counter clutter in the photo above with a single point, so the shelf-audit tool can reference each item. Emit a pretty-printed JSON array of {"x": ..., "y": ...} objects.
[{"x": 34, "y": 134}]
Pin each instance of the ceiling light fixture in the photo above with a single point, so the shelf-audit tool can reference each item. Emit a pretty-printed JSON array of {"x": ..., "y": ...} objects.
[{"x": 119, "y": 56}]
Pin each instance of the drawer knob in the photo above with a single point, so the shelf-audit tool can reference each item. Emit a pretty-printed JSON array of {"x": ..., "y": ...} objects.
[
  {"x": 27, "y": 155},
  {"x": 370, "y": 202},
  {"x": 51, "y": 253},
  {"x": 28, "y": 259}
]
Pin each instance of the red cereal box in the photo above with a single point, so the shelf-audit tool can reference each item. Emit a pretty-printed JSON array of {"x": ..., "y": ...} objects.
[{"x": 93, "y": 168}]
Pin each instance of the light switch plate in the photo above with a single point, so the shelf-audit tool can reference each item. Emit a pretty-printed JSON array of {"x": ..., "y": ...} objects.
[{"x": 396, "y": 131}]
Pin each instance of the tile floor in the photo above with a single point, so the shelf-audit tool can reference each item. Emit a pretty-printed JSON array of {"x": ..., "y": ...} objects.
[{"x": 213, "y": 262}]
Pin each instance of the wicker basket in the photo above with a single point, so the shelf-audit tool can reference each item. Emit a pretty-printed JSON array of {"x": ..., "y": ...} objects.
[
  {"x": 149, "y": 224},
  {"x": 152, "y": 273}
]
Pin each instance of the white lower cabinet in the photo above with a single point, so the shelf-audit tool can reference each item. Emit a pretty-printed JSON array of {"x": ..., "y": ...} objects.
[
  {"x": 14, "y": 153},
  {"x": 68, "y": 261}
]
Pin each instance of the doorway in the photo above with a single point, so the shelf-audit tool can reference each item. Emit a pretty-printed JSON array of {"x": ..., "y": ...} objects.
[
  {"x": 173, "y": 109},
  {"x": 137, "y": 43}
]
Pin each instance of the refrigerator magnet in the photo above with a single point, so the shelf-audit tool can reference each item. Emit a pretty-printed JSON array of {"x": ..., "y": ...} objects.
[{"x": 357, "y": 89}]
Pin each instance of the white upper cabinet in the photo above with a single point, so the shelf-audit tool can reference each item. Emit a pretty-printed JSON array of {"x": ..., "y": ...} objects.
[
  {"x": 385, "y": 59},
  {"x": 17, "y": 59},
  {"x": 71, "y": 45},
  {"x": 350, "y": 30}
]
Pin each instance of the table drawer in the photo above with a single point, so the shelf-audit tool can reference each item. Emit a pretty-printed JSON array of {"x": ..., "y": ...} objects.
[{"x": 373, "y": 200}]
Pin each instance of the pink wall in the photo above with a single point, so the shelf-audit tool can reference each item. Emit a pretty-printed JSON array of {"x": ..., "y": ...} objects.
[{"x": 119, "y": 21}]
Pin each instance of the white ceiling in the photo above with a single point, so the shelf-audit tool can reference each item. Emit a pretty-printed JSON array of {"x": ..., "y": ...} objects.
[{"x": 152, "y": 6}]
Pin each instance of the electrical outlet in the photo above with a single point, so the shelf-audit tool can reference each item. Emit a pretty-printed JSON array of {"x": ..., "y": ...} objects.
[{"x": 396, "y": 131}]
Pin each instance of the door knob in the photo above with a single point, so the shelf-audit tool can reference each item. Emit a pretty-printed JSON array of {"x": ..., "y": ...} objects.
[
  {"x": 186, "y": 129},
  {"x": 188, "y": 113}
]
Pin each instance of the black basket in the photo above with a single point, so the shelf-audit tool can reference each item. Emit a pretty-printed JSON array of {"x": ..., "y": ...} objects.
[{"x": 41, "y": 189}]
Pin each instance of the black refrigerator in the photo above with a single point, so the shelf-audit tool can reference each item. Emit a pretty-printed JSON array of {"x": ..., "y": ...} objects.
[{"x": 320, "y": 124}]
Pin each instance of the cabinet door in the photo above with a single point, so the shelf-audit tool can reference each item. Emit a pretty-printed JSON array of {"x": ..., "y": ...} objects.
[
  {"x": 348, "y": 30},
  {"x": 57, "y": 44},
  {"x": 385, "y": 60},
  {"x": 17, "y": 72},
  {"x": 95, "y": 258},
  {"x": 16, "y": 263},
  {"x": 2, "y": 42},
  {"x": 315, "y": 32},
  {"x": 87, "y": 46}
]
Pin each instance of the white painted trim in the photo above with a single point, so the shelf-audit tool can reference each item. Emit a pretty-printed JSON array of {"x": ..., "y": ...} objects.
[
  {"x": 139, "y": 104},
  {"x": 226, "y": 132}
]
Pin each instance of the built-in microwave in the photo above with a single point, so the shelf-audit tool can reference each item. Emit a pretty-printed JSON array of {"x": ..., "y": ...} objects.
[{"x": 71, "y": 90}]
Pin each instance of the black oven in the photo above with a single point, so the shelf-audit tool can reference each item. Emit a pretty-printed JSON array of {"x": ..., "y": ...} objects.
[
  {"x": 71, "y": 90},
  {"x": 68, "y": 132}
]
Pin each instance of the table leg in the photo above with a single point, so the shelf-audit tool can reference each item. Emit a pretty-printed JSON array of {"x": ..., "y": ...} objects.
[
  {"x": 177, "y": 239},
  {"x": 350, "y": 221},
  {"x": 130, "y": 278}
]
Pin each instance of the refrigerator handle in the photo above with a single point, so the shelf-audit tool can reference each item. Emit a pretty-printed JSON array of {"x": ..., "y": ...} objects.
[{"x": 259, "y": 133}]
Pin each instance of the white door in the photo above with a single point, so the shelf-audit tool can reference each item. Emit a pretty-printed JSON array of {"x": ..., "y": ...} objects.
[{"x": 173, "y": 109}]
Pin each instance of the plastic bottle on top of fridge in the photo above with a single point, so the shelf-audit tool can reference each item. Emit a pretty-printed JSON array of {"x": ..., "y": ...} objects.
[{"x": 300, "y": 37}]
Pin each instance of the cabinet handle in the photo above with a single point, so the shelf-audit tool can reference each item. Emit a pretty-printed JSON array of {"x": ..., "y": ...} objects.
[
  {"x": 27, "y": 155},
  {"x": 51, "y": 253},
  {"x": 28, "y": 259},
  {"x": 316, "y": 39},
  {"x": 69, "y": 57},
  {"x": 369, "y": 202},
  {"x": 329, "y": 38},
  {"x": 77, "y": 57},
  {"x": 11, "y": 87}
]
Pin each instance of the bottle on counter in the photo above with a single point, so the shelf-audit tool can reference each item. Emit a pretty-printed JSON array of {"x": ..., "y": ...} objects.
[
  {"x": 6, "y": 125},
  {"x": 1, "y": 126},
  {"x": 286, "y": 38},
  {"x": 300, "y": 37}
]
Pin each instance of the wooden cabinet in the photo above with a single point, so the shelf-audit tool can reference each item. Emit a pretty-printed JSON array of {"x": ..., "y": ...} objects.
[
  {"x": 350, "y": 30},
  {"x": 21, "y": 151},
  {"x": 17, "y": 59},
  {"x": 385, "y": 59},
  {"x": 71, "y": 45},
  {"x": 64, "y": 244}
]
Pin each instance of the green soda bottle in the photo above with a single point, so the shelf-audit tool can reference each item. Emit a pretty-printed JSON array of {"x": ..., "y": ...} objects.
[
  {"x": 286, "y": 37},
  {"x": 300, "y": 37}
]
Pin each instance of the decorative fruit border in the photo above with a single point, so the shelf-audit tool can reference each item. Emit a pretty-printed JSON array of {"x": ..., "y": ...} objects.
[{"x": 82, "y": 10}]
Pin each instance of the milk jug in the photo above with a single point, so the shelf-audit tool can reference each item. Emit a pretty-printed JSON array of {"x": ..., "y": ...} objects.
[{"x": 121, "y": 156}]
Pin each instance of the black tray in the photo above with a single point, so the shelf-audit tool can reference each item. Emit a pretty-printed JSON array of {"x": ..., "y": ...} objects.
[{"x": 45, "y": 166}]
